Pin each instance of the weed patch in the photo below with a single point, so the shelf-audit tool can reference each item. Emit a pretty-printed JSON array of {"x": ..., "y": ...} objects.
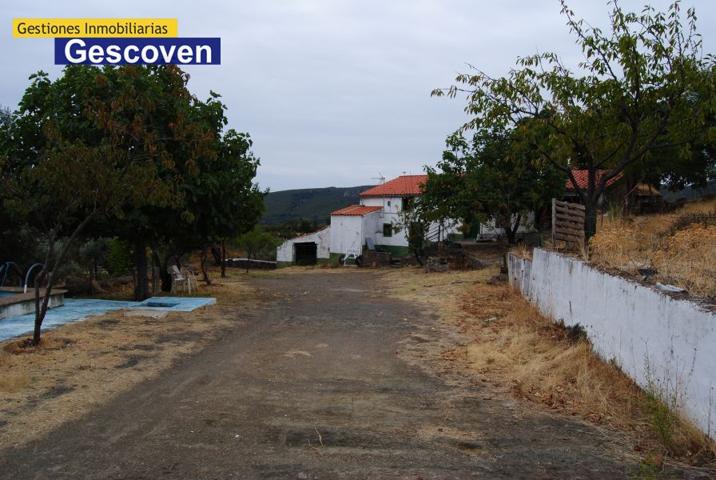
[{"x": 676, "y": 248}]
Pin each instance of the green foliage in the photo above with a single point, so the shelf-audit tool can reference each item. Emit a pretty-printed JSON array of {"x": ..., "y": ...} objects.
[
  {"x": 641, "y": 88},
  {"x": 415, "y": 222},
  {"x": 417, "y": 231},
  {"x": 662, "y": 418},
  {"x": 222, "y": 199},
  {"x": 80, "y": 148},
  {"x": 94, "y": 252},
  {"x": 258, "y": 243},
  {"x": 123, "y": 152},
  {"x": 119, "y": 258},
  {"x": 648, "y": 469},
  {"x": 293, "y": 228},
  {"x": 494, "y": 176},
  {"x": 90, "y": 127}
]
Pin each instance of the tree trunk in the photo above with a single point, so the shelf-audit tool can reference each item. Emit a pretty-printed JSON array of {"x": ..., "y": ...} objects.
[
  {"x": 164, "y": 275},
  {"x": 591, "y": 204},
  {"x": 41, "y": 309},
  {"x": 505, "y": 222},
  {"x": 40, "y": 315},
  {"x": 154, "y": 278},
  {"x": 511, "y": 230},
  {"x": 92, "y": 278},
  {"x": 216, "y": 253},
  {"x": 141, "y": 287},
  {"x": 223, "y": 259},
  {"x": 590, "y": 219},
  {"x": 204, "y": 271},
  {"x": 38, "y": 318}
]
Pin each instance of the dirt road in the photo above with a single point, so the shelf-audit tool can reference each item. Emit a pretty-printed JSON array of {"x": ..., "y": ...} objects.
[{"x": 314, "y": 386}]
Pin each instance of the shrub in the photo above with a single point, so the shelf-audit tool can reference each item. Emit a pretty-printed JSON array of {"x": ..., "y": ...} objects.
[{"x": 119, "y": 258}]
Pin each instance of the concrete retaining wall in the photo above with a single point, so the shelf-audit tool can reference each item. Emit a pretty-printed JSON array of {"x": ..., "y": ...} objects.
[
  {"x": 26, "y": 304},
  {"x": 664, "y": 344}
]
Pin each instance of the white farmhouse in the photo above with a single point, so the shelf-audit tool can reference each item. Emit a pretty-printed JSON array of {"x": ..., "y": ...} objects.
[{"x": 375, "y": 223}]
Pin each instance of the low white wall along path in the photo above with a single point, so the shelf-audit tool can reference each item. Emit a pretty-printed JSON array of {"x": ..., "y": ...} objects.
[{"x": 661, "y": 342}]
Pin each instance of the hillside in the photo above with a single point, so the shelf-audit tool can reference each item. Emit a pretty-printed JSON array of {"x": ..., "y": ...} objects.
[{"x": 313, "y": 204}]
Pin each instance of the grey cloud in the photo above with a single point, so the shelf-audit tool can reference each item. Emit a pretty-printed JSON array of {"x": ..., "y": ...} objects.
[{"x": 335, "y": 91}]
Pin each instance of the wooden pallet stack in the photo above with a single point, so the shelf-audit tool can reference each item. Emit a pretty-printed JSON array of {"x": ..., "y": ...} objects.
[{"x": 568, "y": 225}]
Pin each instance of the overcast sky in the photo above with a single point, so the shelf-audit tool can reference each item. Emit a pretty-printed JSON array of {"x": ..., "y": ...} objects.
[{"x": 335, "y": 92}]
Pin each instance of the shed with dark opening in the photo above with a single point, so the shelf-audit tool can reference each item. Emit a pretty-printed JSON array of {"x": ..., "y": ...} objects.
[{"x": 306, "y": 253}]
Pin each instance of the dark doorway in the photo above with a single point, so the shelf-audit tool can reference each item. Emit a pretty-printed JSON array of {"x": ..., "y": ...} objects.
[{"x": 306, "y": 253}]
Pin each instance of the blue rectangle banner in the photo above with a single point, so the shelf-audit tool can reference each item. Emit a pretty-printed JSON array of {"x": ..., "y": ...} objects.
[{"x": 138, "y": 51}]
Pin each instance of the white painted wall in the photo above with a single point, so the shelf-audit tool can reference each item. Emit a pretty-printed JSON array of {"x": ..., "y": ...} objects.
[
  {"x": 347, "y": 234},
  {"x": 399, "y": 238},
  {"x": 660, "y": 342},
  {"x": 488, "y": 229},
  {"x": 372, "y": 226},
  {"x": 389, "y": 204},
  {"x": 284, "y": 252},
  {"x": 287, "y": 253},
  {"x": 392, "y": 206}
]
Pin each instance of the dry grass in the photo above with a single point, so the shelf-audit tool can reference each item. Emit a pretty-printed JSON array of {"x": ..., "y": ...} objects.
[
  {"x": 81, "y": 365},
  {"x": 301, "y": 269},
  {"x": 680, "y": 246},
  {"x": 511, "y": 344},
  {"x": 547, "y": 363}
]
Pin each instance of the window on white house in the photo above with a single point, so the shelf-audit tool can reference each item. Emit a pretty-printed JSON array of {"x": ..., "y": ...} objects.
[{"x": 387, "y": 229}]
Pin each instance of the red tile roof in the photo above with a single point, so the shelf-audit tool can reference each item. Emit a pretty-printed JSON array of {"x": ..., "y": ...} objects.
[
  {"x": 581, "y": 176},
  {"x": 356, "y": 210},
  {"x": 403, "y": 186}
]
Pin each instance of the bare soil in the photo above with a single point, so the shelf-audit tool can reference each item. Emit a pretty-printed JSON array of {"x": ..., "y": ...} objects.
[
  {"x": 81, "y": 365},
  {"x": 327, "y": 377}
]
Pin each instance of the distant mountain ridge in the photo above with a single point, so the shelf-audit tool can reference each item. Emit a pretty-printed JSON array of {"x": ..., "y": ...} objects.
[{"x": 315, "y": 204}]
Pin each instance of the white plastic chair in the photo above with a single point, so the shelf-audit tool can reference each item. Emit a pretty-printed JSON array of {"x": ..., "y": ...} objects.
[
  {"x": 191, "y": 281},
  {"x": 179, "y": 280}
]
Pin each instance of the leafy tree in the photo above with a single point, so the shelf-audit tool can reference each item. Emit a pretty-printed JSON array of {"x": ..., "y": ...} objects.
[
  {"x": 119, "y": 257},
  {"x": 126, "y": 153},
  {"x": 11, "y": 243},
  {"x": 414, "y": 221},
  {"x": 218, "y": 201},
  {"x": 64, "y": 166},
  {"x": 494, "y": 176},
  {"x": 153, "y": 114},
  {"x": 258, "y": 243},
  {"x": 295, "y": 228},
  {"x": 641, "y": 87},
  {"x": 93, "y": 253},
  {"x": 223, "y": 199}
]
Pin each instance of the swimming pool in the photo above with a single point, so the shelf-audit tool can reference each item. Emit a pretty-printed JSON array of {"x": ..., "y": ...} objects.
[{"x": 77, "y": 309}]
